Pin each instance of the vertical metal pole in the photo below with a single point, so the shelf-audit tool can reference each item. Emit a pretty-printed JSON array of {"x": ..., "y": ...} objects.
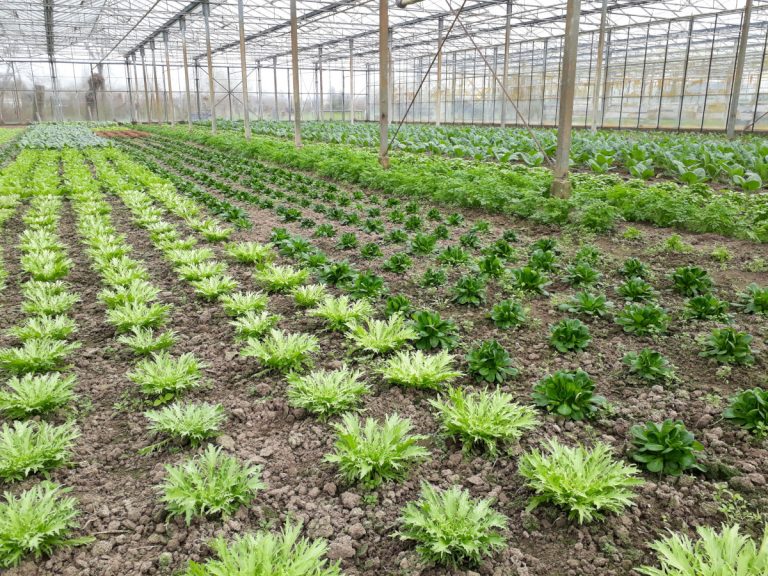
[
  {"x": 759, "y": 80},
  {"x": 367, "y": 92},
  {"x": 453, "y": 87},
  {"x": 243, "y": 70},
  {"x": 197, "y": 86},
  {"x": 229, "y": 94},
  {"x": 544, "y": 80},
  {"x": 295, "y": 70},
  {"x": 709, "y": 74},
  {"x": 623, "y": 80},
  {"x": 642, "y": 76},
  {"x": 317, "y": 98},
  {"x": 439, "y": 89},
  {"x": 738, "y": 71},
  {"x": 276, "y": 111},
  {"x": 494, "y": 92},
  {"x": 136, "y": 85},
  {"x": 170, "y": 85},
  {"x": 391, "y": 69},
  {"x": 155, "y": 80},
  {"x": 16, "y": 100},
  {"x": 147, "y": 102},
  {"x": 605, "y": 76},
  {"x": 58, "y": 113},
  {"x": 663, "y": 74},
  {"x": 383, "y": 83},
  {"x": 320, "y": 74},
  {"x": 351, "y": 81},
  {"x": 288, "y": 83},
  {"x": 130, "y": 89},
  {"x": 343, "y": 103},
  {"x": 599, "y": 65},
  {"x": 685, "y": 75},
  {"x": 505, "y": 65},
  {"x": 561, "y": 186},
  {"x": 259, "y": 90},
  {"x": 183, "y": 30},
  {"x": 209, "y": 56}
]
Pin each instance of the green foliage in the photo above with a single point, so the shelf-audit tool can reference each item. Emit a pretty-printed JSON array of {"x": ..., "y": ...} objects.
[
  {"x": 47, "y": 327},
  {"x": 485, "y": 418},
  {"x": 281, "y": 350},
  {"x": 491, "y": 266},
  {"x": 163, "y": 376},
  {"x": 37, "y": 355},
  {"x": 432, "y": 331},
  {"x": 47, "y": 298},
  {"x": 569, "y": 394},
  {"x": 636, "y": 289},
  {"x": 347, "y": 241},
  {"x": 398, "y": 263},
  {"x": 634, "y": 268},
  {"x": 189, "y": 423},
  {"x": 31, "y": 447},
  {"x": 264, "y": 553},
  {"x": 469, "y": 290},
  {"x": 380, "y": 336},
  {"x": 649, "y": 365},
  {"x": 586, "y": 483},
  {"x": 36, "y": 522},
  {"x": 543, "y": 260},
  {"x": 433, "y": 277},
  {"x": 276, "y": 278},
  {"x": 373, "y": 453},
  {"x": 749, "y": 409},
  {"x": 214, "y": 287},
  {"x": 529, "y": 280},
  {"x": 490, "y": 362},
  {"x": 46, "y": 266},
  {"x": 326, "y": 393},
  {"x": 569, "y": 335},
  {"x": 367, "y": 285},
  {"x": 728, "y": 553},
  {"x": 453, "y": 256},
  {"x": 251, "y": 252},
  {"x": 581, "y": 274},
  {"x": 588, "y": 303},
  {"x": 325, "y": 231},
  {"x": 126, "y": 317},
  {"x": 706, "y": 307},
  {"x": 450, "y": 527},
  {"x": 397, "y": 304},
  {"x": 239, "y": 303},
  {"x": 138, "y": 291},
  {"x": 423, "y": 244},
  {"x": 666, "y": 448},
  {"x": 728, "y": 346},
  {"x": 144, "y": 341},
  {"x": 691, "y": 281},
  {"x": 754, "y": 299},
  {"x": 254, "y": 324},
  {"x": 36, "y": 395},
  {"x": 338, "y": 312},
  {"x": 509, "y": 314},
  {"x": 337, "y": 273},
  {"x": 419, "y": 370},
  {"x": 309, "y": 295},
  {"x": 643, "y": 319},
  {"x": 370, "y": 251},
  {"x": 212, "y": 484},
  {"x": 198, "y": 271}
]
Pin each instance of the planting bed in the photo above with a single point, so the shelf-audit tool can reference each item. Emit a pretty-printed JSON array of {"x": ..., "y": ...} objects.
[{"x": 152, "y": 193}]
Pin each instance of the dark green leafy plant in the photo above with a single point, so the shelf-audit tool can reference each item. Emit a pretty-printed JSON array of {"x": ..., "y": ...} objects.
[
  {"x": 649, "y": 365},
  {"x": 398, "y": 263},
  {"x": 530, "y": 280},
  {"x": 728, "y": 346},
  {"x": 491, "y": 266},
  {"x": 666, "y": 448},
  {"x": 643, "y": 320},
  {"x": 422, "y": 244},
  {"x": 691, "y": 281},
  {"x": 337, "y": 273},
  {"x": 451, "y": 528},
  {"x": 325, "y": 231},
  {"x": 432, "y": 331},
  {"x": 749, "y": 409},
  {"x": 348, "y": 241},
  {"x": 636, "y": 289},
  {"x": 367, "y": 285},
  {"x": 569, "y": 335},
  {"x": 508, "y": 314},
  {"x": 397, "y": 304},
  {"x": 397, "y": 236},
  {"x": 634, "y": 268},
  {"x": 581, "y": 274},
  {"x": 433, "y": 277},
  {"x": 469, "y": 290},
  {"x": 545, "y": 261},
  {"x": 588, "y": 303},
  {"x": 569, "y": 394},
  {"x": 370, "y": 251},
  {"x": 491, "y": 362},
  {"x": 706, "y": 307},
  {"x": 502, "y": 249},
  {"x": 754, "y": 299},
  {"x": 470, "y": 240},
  {"x": 453, "y": 256}
]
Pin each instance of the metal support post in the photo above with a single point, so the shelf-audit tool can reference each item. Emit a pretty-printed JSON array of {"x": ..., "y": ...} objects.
[
  {"x": 438, "y": 91},
  {"x": 209, "y": 56},
  {"x": 243, "y": 70},
  {"x": 130, "y": 89},
  {"x": 147, "y": 102},
  {"x": 320, "y": 74},
  {"x": 505, "y": 65},
  {"x": 351, "y": 81},
  {"x": 384, "y": 83},
  {"x": 169, "y": 99},
  {"x": 295, "y": 70},
  {"x": 183, "y": 30},
  {"x": 276, "y": 111},
  {"x": 599, "y": 65},
  {"x": 738, "y": 71}
]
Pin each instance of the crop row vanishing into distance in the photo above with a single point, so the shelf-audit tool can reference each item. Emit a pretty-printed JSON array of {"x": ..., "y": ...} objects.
[
  {"x": 379, "y": 385},
  {"x": 598, "y": 203}
]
